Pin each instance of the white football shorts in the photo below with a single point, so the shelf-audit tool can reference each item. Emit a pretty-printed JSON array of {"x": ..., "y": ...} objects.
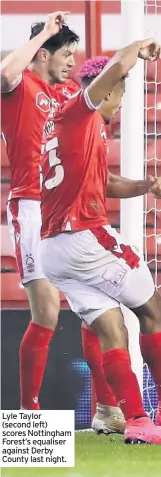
[
  {"x": 24, "y": 222},
  {"x": 93, "y": 278}
]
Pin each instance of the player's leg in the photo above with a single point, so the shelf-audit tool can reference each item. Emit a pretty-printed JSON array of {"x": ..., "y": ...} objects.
[
  {"x": 136, "y": 291},
  {"x": 149, "y": 316},
  {"x": 134, "y": 287},
  {"x": 34, "y": 347},
  {"x": 90, "y": 264},
  {"x": 83, "y": 297},
  {"x": 106, "y": 404},
  {"x": 118, "y": 372},
  {"x": 109, "y": 327},
  {"x": 24, "y": 220},
  {"x": 104, "y": 315}
]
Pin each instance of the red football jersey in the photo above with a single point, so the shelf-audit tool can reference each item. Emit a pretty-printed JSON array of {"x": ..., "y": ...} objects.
[
  {"x": 24, "y": 112},
  {"x": 74, "y": 166}
]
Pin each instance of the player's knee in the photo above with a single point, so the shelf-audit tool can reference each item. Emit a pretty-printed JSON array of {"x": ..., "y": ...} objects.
[
  {"x": 49, "y": 313},
  {"x": 110, "y": 328},
  {"x": 46, "y": 316},
  {"x": 149, "y": 314},
  {"x": 44, "y": 302}
]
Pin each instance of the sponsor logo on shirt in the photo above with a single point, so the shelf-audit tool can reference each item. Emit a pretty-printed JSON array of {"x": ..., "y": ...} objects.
[
  {"x": 47, "y": 104},
  {"x": 50, "y": 105},
  {"x": 48, "y": 128},
  {"x": 43, "y": 102}
]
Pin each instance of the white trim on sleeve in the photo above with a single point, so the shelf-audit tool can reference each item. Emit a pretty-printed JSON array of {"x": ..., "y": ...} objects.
[{"x": 89, "y": 102}]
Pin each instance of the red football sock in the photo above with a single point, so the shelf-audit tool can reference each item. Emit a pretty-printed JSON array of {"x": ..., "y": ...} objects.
[
  {"x": 93, "y": 355},
  {"x": 33, "y": 356},
  {"x": 151, "y": 352},
  {"x": 118, "y": 372}
]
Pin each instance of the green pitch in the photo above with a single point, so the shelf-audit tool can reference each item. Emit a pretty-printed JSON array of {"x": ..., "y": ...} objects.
[{"x": 101, "y": 456}]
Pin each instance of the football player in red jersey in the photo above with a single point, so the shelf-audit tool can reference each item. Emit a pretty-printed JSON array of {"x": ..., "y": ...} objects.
[
  {"x": 84, "y": 256},
  {"x": 30, "y": 94},
  {"x": 108, "y": 416}
]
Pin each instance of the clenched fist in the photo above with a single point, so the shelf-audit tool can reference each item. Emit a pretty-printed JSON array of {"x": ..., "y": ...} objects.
[
  {"x": 155, "y": 186},
  {"x": 149, "y": 50}
]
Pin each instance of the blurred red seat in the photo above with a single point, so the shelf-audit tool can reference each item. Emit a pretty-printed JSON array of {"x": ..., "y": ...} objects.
[
  {"x": 153, "y": 213},
  {"x": 153, "y": 116},
  {"x": 154, "y": 149},
  {"x": 156, "y": 274},
  {"x": 153, "y": 156},
  {"x": 153, "y": 76},
  {"x": 153, "y": 159},
  {"x": 153, "y": 108},
  {"x": 13, "y": 294},
  {"x": 8, "y": 260},
  {"x": 5, "y": 188},
  {"x": 152, "y": 244},
  {"x": 5, "y": 167}
]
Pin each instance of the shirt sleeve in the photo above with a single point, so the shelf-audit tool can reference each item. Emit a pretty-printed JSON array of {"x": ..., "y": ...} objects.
[
  {"x": 79, "y": 106},
  {"x": 89, "y": 103}
]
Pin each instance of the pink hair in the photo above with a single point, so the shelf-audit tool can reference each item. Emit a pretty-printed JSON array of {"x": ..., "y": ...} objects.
[{"x": 93, "y": 66}]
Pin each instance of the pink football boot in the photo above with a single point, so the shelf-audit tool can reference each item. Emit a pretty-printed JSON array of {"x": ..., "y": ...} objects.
[{"x": 142, "y": 431}]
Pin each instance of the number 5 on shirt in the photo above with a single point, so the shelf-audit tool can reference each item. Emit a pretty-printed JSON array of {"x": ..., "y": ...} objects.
[{"x": 55, "y": 162}]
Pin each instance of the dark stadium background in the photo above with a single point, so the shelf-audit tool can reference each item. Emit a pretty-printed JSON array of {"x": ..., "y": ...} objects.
[{"x": 66, "y": 382}]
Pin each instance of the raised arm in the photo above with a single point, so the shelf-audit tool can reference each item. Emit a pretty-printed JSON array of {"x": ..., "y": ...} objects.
[
  {"x": 122, "y": 188},
  {"x": 119, "y": 66},
  {"x": 15, "y": 63}
]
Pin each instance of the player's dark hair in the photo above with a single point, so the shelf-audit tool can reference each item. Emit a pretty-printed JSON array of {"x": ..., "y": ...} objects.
[{"x": 65, "y": 36}]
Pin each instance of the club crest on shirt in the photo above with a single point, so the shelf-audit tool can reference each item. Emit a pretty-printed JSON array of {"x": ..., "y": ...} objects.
[
  {"x": 67, "y": 93},
  {"x": 95, "y": 204},
  {"x": 30, "y": 264}
]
